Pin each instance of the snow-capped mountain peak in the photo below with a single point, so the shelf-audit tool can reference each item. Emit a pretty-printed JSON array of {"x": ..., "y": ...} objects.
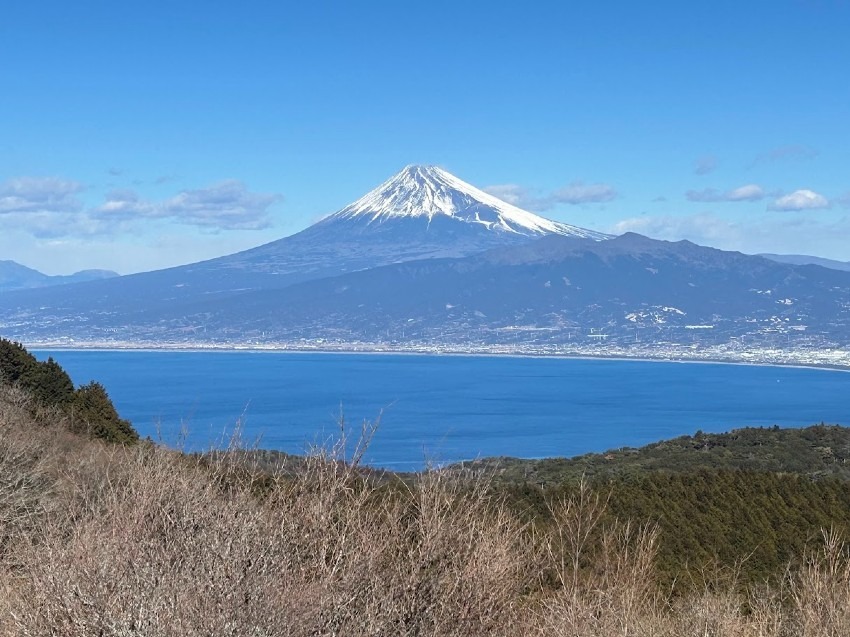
[{"x": 429, "y": 192}]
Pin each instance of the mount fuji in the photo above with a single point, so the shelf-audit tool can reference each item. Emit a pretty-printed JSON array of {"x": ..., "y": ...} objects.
[
  {"x": 434, "y": 200},
  {"x": 428, "y": 261},
  {"x": 423, "y": 212}
]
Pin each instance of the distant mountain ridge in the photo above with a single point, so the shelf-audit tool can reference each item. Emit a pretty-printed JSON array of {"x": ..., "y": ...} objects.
[
  {"x": 427, "y": 261},
  {"x": 554, "y": 290},
  {"x": 630, "y": 293},
  {"x": 803, "y": 259},
  {"x": 14, "y": 276}
]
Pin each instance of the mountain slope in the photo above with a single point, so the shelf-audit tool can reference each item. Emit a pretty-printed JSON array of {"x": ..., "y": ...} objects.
[
  {"x": 14, "y": 276},
  {"x": 432, "y": 193},
  {"x": 422, "y": 212},
  {"x": 555, "y": 290},
  {"x": 803, "y": 259}
]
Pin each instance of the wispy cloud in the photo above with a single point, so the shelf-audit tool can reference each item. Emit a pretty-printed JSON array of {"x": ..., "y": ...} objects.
[
  {"x": 705, "y": 165},
  {"x": 227, "y": 205},
  {"x": 48, "y": 207},
  {"x": 579, "y": 192},
  {"x": 39, "y": 194},
  {"x": 791, "y": 152},
  {"x": 704, "y": 227},
  {"x": 576, "y": 193},
  {"x": 749, "y": 192},
  {"x": 782, "y": 234},
  {"x": 800, "y": 200},
  {"x": 42, "y": 206},
  {"x": 516, "y": 195}
]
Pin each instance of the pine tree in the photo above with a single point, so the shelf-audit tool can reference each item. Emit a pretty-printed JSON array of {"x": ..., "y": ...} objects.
[
  {"x": 53, "y": 386},
  {"x": 92, "y": 412},
  {"x": 17, "y": 365}
]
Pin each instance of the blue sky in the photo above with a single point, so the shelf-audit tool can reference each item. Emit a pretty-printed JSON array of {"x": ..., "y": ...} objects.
[{"x": 143, "y": 135}]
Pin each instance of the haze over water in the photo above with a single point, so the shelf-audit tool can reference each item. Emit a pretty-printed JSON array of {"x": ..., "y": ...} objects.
[{"x": 447, "y": 408}]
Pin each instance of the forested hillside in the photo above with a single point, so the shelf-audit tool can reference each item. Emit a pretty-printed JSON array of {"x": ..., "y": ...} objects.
[{"x": 819, "y": 451}]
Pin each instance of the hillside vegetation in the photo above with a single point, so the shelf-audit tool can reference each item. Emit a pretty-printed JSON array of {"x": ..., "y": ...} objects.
[
  {"x": 86, "y": 409},
  {"x": 762, "y": 494},
  {"x": 99, "y": 538},
  {"x": 820, "y": 451}
]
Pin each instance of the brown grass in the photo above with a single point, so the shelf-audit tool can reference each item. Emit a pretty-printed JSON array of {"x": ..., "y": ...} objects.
[{"x": 107, "y": 540}]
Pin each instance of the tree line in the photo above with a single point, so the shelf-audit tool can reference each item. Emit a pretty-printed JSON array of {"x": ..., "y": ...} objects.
[{"x": 88, "y": 408}]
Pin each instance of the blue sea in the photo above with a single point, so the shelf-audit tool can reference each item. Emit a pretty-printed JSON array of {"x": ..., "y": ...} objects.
[{"x": 445, "y": 408}]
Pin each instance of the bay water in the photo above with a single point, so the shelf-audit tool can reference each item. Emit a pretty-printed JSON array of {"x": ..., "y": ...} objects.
[{"x": 446, "y": 408}]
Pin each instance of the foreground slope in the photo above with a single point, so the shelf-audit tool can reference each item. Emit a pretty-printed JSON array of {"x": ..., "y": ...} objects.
[{"x": 100, "y": 539}]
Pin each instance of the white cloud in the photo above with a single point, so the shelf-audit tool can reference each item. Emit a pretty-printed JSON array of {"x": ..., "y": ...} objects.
[
  {"x": 705, "y": 228},
  {"x": 224, "y": 206},
  {"x": 580, "y": 193},
  {"x": 750, "y": 192},
  {"x": 39, "y": 194},
  {"x": 43, "y": 207},
  {"x": 123, "y": 204},
  {"x": 780, "y": 234},
  {"x": 576, "y": 193},
  {"x": 49, "y": 207},
  {"x": 514, "y": 194},
  {"x": 227, "y": 205},
  {"x": 520, "y": 196},
  {"x": 800, "y": 200},
  {"x": 705, "y": 165}
]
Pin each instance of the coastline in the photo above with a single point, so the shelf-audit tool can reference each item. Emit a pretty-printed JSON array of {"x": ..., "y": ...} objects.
[{"x": 748, "y": 358}]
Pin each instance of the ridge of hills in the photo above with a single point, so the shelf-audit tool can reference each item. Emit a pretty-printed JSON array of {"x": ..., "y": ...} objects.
[
  {"x": 553, "y": 291},
  {"x": 816, "y": 452},
  {"x": 14, "y": 276},
  {"x": 805, "y": 259}
]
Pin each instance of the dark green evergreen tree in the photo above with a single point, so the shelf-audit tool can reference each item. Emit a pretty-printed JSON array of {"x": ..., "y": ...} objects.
[
  {"x": 92, "y": 412},
  {"x": 52, "y": 384},
  {"x": 90, "y": 409},
  {"x": 17, "y": 365}
]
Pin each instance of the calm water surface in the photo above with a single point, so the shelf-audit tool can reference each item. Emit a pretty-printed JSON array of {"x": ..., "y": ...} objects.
[{"x": 445, "y": 408}]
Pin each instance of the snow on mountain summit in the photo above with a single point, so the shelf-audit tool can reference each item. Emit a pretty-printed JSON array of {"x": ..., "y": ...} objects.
[{"x": 429, "y": 192}]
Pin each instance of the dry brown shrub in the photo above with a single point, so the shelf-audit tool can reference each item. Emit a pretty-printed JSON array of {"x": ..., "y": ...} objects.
[
  {"x": 820, "y": 590},
  {"x": 604, "y": 571},
  {"x": 110, "y": 540},
  {"x": 150, "y": 542}
]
